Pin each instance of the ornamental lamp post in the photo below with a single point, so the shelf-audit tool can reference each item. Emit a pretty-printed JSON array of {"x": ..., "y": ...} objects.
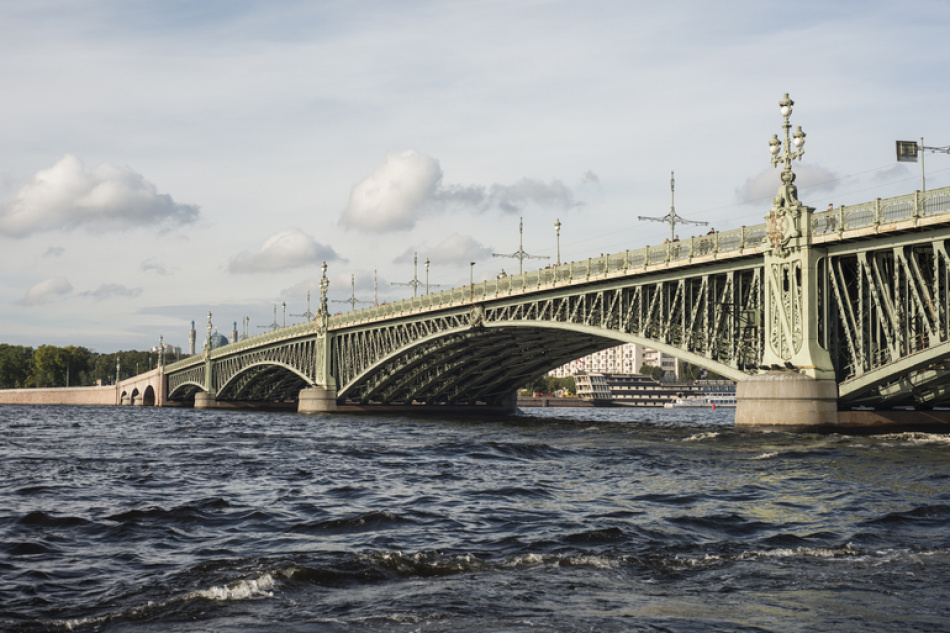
[
  {"x": 557, "y": 236},
  {"x": 797, "y": 139},
  {"x": 785, "y": 220}
]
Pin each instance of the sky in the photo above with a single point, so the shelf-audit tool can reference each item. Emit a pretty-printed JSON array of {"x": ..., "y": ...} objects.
[{"x": 163, "y": 160}]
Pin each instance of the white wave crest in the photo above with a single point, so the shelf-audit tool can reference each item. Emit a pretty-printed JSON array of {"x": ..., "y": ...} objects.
[
  {"x": 917, "y": 438},
  {"x": 847, "y": 550},
  {"x": 707, "y": 435},
  {"x": 525, "y": 559},
  {"x": 241, "y": 590},
  {"x": 680, "y": 562},
  {"x": 597, "y": 562},
  {"x": 766, "y": 455}
]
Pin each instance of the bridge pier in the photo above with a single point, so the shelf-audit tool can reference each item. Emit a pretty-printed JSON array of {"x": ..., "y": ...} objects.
[
  {"x": 205, "y": 400},
  {"x": 316, "y": 400},
  {"x": 786, "y": 401}
]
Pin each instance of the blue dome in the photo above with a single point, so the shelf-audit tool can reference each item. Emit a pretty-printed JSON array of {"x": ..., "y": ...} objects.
[{"x": 217, "y": 340}]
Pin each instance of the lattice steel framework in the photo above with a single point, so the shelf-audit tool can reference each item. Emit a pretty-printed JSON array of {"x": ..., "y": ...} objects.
[
  {"x": 886, "y": 319},
  {"x": 883, "y": 275},
  {"x": 484, "y": 352}
]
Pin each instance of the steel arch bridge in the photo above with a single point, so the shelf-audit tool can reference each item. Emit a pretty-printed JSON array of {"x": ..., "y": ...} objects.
[{"x": 859, "y": 295}]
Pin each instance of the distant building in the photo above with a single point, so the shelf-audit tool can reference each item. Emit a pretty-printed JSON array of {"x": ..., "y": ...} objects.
[
  {"x": 628, "y": 358},
  {"x": 218, "y": 340}
]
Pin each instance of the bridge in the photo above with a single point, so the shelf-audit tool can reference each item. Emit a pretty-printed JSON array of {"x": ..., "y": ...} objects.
[{"x": 813, "y": 313}]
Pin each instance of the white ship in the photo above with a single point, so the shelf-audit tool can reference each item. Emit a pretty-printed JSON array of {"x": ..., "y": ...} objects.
[{"x": 709, "y": 401}]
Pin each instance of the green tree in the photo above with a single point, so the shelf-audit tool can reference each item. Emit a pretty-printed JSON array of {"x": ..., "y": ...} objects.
[
  {"x": 60, "y": 366},
  {"x": 656, "y": 373},
  {"x": 16, "y": 364},
  {"x": 688, "y": 371},
  {"x": 550, "y": 384}
]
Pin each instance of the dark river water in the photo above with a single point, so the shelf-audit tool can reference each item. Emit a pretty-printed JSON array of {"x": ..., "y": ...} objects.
[{"x": 132, "y": 519}]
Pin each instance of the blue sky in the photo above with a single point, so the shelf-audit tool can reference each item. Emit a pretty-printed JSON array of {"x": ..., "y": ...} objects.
[{"x": 162, "y": 159}]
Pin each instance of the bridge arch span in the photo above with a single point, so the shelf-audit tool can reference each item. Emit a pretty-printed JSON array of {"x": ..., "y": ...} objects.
[
  {"x": 264, "y": 381},
  {"x": 185, "y": 390},
  {"x": 486, "y": 363}
]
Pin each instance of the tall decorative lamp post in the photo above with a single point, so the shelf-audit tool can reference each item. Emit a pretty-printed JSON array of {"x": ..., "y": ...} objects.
[
  {"x": 427, "y": 275},
  {"x": 799, "y": 387},
  {"x": 557, "y": 237},
  {"x": 321, "y": 396}
]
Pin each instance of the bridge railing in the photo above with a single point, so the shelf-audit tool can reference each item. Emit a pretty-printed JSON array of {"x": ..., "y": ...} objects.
[
  {"x": 881, "y": 211},
  {"x": 274, "y": 336},
  {"x": 918, "y": 204},
  {"x": 592, "y": 268}
]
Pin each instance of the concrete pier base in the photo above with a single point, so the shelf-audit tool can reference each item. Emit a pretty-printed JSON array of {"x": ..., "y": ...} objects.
[
  {"x": 316, "y": 400},
  {"x": 510, "y": 403},
  {"x": 786, "y": 401},
  {"x": 205, "y": 400}
]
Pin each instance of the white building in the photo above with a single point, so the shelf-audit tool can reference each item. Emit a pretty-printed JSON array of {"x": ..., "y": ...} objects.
[{"x": 628, "y": 358}]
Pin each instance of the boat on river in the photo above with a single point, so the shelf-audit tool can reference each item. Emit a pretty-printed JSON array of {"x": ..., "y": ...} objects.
[{"x": 705, "y": 401}]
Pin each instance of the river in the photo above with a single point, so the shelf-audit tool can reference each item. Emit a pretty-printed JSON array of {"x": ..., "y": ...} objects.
[{"x": 566, "y": 520}]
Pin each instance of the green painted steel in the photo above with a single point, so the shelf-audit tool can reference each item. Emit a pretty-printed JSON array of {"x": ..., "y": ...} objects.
[{"x": 870, "y": 284}]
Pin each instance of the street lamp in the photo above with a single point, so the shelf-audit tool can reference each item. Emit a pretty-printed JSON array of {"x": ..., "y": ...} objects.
[
  {"x": 471, "y": 281},
  {"x": 797, "y": 139},
  {"x": 557, "y": 234},
  {"x": 784, "y": 220}
]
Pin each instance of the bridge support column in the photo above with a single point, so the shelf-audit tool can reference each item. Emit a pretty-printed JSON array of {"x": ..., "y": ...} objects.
[
  {"x": 509, "y": 403},
  {"x": 316, "y": 400},
  {"x": 205, "y": 400},
  {"x": 786, "y": 401}
]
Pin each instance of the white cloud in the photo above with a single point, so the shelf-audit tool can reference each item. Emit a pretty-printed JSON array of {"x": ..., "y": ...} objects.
[
  {"x": 282, "y": 251},
  {"x": 45, "y": 291},
  {"x": 393, "y": 196},
  {"x": 458, "y": 249},
  {"x": 409, "y": 184},
  {"x": 66, "y": 196},
  {"x": 151, "y": 265},
  {"x": 107, "y": 291}
]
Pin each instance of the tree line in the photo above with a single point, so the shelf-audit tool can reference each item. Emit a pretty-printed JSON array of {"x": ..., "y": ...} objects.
[{"x": 73, "y": 366}]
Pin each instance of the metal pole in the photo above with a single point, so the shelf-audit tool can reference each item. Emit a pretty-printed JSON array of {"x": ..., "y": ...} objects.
[
  {"x": 471, "y": 281},
  {"x": 427, "y": 275},
  {"x": 923, "y": 182},
  {"x": 672, "y": 209},
  {"x": 520, "y": 245},
  {"x": 557, "y": 234}
]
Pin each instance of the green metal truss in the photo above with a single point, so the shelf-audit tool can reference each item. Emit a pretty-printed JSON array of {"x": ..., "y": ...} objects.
[{"x": 864, "y": 290}]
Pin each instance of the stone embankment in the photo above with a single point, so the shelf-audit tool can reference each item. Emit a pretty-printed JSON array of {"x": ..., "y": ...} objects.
[{"x": 60, "y": 395}]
